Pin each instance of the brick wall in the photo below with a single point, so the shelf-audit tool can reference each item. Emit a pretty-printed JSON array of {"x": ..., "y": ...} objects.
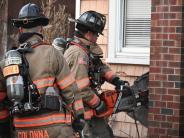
[{"x": 166, "y": 70}]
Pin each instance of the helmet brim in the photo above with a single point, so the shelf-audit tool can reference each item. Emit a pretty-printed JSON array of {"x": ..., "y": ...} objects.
[{"x": 29, "y": 23}]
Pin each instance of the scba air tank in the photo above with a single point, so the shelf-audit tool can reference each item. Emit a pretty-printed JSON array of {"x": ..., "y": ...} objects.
[{"x": 14, "y": 80}]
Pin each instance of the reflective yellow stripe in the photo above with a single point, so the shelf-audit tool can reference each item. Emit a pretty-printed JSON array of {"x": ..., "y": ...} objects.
[
  {"x": 94, "y": 101},
  {"x": 109, "y": 75},
  {"x": 42, "y": 120},
  {"x": 4, "y": 114},
  {"x": 67, "y": 81},
  {"x": 45, "y": 82},
  {"x": 78, "y": 105},
  {"x": 82, "y": 83}
]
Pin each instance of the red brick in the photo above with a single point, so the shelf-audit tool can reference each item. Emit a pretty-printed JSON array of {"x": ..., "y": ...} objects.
[
  {"x": 160, "y": 91},
  {"x": 174, "y": 64},
  {"x": 166, "y": 2},
  {"x": 173, "y": 105},
  {"x": 173, "y": 119},
  {"x": 168, "y": 84},
  {"x": 166, "y": 125},
  {"x": 155, "y": 56},
  {"x": 153, "y": 36},
  {"x": 175, "y": 125},
  {"x": 155, "y": 70},
  {"x": 157, "y": 29},
  {"x": 163, "y": 22},
  {"x": 154, "y": 123},
  {"x": 156, "y": 16},
  {"x": 174, "y": 50},
  {"x": 167, "y": 70},
  {"x": 169, "y": 29},
  {"x": 160, "y": 104},
  {"x": 156, "y": 42},
  {"x": 170, "y": 16},
  {"x": 162, "y": 8},
  {"x": 178, "y": 71},
  {"x": 161, "y": 63},
  {"x": 151, "y": 77},
  {"x": 155, "y": 83},
  {"x": 176, "y": 112},
  {"x": 174, "y": 91},
  {"x": 154, "y": 110},
  {"x": 175, "y": 36},
  {"x": 170, "y": 57},
  {"x": 162, "y": 131},
  {"x": 155, "y": 97},
  {"x": 167, "y": 98},
  {"x": 155, "y": 2},
  {"x": 172, "y": 2},
  {"x": 175, "y": 8},
  {"x": 178, "y": 15},
  {"x": 160, "y": 77},
  {"x": 151, "y": 90},
  {"x": 168, "y": 43},
  {"x": 162, "y": 36},
  {"x": 176, "y": 98},
  {"x": 179, "y": 2}
]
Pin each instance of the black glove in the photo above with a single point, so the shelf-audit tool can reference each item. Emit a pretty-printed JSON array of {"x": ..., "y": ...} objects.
[
  {"x": 122, "y": 86},
  {"x": 118, "y": 82},
  {"x": 79, "y": 123},
  {"x": 101, "y": 108}
]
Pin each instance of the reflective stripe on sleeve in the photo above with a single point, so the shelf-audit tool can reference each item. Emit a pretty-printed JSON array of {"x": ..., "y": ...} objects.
[
  {"x": 45, "y": 82},
  {"x": 42, "y": 120},
  {"x": 2, "y": 95},
  {"x": 94, "y": 101},
  {"x": 4, "y": 114},
  {"x": 88, "y": 114},
  {"x": 78, "y": 105},
  {"x": 108, "y": 75},
  {"x": 67, "y": 81},
  {"x": 82, "y": 83}
]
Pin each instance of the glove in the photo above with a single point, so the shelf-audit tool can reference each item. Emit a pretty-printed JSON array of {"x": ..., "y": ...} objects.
[
  {"x": 121, "y": 86},
  {"x": 79, "y": 123},
  {"x": 118, "y": 82},
  {"x": 101, "y": 108}
]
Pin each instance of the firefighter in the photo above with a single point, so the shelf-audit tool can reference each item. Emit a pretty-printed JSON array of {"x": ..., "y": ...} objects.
[
  {"x": 47, "y": 68},
  {"x": 84, "y": 58}
]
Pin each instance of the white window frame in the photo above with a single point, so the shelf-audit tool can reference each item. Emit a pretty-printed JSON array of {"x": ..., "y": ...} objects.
[
  {"x": 127, "y": 55},
  {"x": 77, "y": 8}
]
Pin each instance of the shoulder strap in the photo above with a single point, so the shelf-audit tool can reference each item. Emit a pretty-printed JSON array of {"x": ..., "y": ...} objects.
[{"x": 84, "y": 49}]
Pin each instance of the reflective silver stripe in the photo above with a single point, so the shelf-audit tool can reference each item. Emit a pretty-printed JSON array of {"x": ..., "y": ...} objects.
[
  {"x": 45, "y": 82},
  {"x": 67, "y": 81},
  {"x": 83, "y": 83}
]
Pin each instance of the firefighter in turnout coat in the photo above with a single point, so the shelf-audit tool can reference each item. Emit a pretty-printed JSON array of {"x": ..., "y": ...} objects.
[
  {"x": 47, "y": 68},
  {"x": 83, "y": 56}
]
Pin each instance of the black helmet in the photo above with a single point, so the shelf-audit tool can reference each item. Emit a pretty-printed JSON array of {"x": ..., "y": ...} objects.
[
  {"x": 30, "y": 16},
  {"x": 92, "y": 20},
  {"x": 59, "y": 43}
]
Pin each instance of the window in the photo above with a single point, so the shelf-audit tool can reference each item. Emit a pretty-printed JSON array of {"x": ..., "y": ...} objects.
[{"x": 129, "y": 31}]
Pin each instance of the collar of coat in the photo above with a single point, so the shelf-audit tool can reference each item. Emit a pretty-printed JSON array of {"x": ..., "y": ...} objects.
[{"x": 93, "y": 47}]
